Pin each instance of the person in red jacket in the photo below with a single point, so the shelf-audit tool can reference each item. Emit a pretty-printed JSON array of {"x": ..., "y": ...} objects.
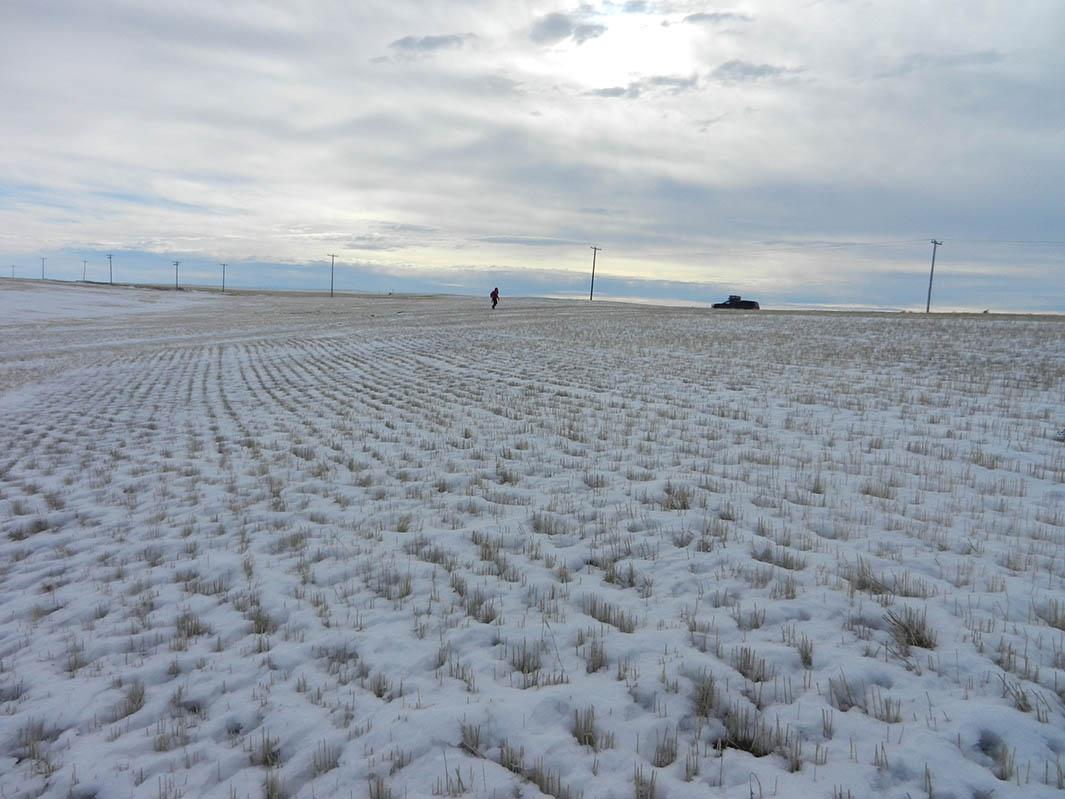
[{"x": 495, "y": 297}]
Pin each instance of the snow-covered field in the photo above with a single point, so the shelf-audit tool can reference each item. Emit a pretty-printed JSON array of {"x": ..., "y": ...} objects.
[
  {"x": 28, "y": 301},
  {"x": 270, "y": 546}
]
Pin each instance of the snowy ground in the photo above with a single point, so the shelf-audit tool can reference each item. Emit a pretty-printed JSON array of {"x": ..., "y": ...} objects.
[
  {"x": 269, "y": 546},
  {"x": 23, "y": 301}
]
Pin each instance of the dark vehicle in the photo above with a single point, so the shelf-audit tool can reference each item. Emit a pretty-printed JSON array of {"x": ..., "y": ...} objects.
[{"x": 735, "y": 302}]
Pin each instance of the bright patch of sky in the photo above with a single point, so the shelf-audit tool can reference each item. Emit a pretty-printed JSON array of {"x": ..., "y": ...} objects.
[{"x": 800, "y": 152}]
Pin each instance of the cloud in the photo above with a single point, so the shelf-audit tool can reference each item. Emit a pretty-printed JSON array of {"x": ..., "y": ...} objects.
[
  {"x": 529, "y": 241},
  {"x": 405, "y": 227},
  {"x": 738, "y": 71},
  {"x": 716, "y": 17},
  {"x": 920, "y": 62},
  {"x": 386, "y": 236},
  {"x": 557, "y": 27},
  {"x": 417, "y": 47},
  {"x": 431, "y": 44},
  {"x": 551, "y": 28},
  {"x": 371, "y": 242},
  {"x": 669, "y": 84},
  {"x": 615, "y": 91},
  {"x": 584, "y": 32}
]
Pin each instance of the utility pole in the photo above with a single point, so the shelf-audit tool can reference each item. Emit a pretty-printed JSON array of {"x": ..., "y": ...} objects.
[
  {"x": 223, "y": 278},
  {"x": 84, "y": 266},
  {"x": 42, "y": 269},
  {"x": 591, "y": 291},
  {"x": 928, "y": 305},
  {"x": 12, "y": 271},
  {"x": 110, "y": 271},
  {"x": 176, "y": 265},
  {"x": 332, "y": 262}
]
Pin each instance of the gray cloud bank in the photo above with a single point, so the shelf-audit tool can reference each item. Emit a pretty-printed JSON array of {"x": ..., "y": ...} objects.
[
  {"x": 430, "y": 44},
  {"x": 557, "y": 27},
  {"x": 965, "y": 275},
  {"x": 716, "y": 17}
]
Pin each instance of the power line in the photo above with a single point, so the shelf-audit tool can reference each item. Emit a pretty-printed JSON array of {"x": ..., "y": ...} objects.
[
  {"x": 838, "y": 245},
  {"x": 1036, "y": 242}
]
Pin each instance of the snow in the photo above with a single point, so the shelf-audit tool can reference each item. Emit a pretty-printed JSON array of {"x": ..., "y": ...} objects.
[
  {"x": 274, "y": 545},
  {"x": 24, "y": 301}
]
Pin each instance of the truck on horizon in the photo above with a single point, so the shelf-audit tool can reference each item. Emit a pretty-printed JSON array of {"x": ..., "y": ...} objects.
[{"x": 735, "y": 302}]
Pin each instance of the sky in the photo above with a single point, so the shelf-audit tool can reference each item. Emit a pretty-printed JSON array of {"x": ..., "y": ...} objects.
[{"x": 799, "y": 152}]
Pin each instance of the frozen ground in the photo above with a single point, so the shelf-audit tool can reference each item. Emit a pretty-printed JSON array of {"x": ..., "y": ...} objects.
[
  {"x": 269, "y": 546},
  {"x": 27, "y": 301}
]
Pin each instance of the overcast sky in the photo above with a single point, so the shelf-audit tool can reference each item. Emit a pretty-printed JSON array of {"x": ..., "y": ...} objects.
[{"x": 796, "y": 151}]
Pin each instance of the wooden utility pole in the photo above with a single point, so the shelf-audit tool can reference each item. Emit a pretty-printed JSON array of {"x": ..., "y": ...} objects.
[
  {"x": 332, "y": 264},
  {"x": 84, "y": 266},
  {"x": 176, "y": 265},
  {"x": 223, "y": 278},
  {"x": 931, "y": 274},
  {"x": 42, "y": 269},
  {"x": 110, "y": 271},
  {"x": 591, "y": 291}
]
